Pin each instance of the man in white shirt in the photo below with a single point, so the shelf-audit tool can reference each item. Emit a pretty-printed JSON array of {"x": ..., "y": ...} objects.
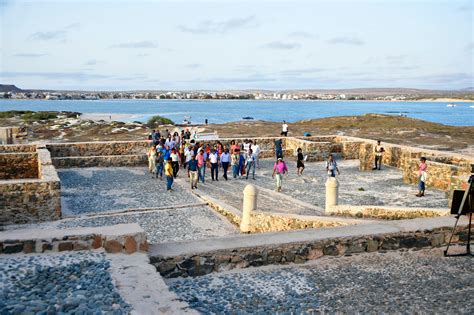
[
  {"x": 256, "y": 151},
  {"x": 214, "y": 160},
  {"x": 170, "y": 142},
  {"x": 284, "y": 129},
  {"x": 188, "y": 154}
]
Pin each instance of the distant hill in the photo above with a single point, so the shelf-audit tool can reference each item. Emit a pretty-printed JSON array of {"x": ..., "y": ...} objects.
[{"x": 9, "y": 88}]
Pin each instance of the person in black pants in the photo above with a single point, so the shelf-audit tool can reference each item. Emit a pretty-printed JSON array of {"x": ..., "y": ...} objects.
[
  {"x": 214, "y": 159},
  {"x": 225, "y": 160}
]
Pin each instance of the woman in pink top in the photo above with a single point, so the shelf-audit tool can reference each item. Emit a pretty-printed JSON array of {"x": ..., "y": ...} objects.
[
  {"x": 279, "y": 169},
  {"x": 422, "y": 177}
]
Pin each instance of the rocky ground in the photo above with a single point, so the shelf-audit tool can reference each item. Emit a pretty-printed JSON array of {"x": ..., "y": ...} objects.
[
  {"x": 394, "y": 129},
  {"x": 73, "y": 283},
  {"x": 393, "y": 282}
]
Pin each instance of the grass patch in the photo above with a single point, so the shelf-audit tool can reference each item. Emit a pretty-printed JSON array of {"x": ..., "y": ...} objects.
[
  {"x": 29, "y": 115},
  {"x": 158, "y": 120}
]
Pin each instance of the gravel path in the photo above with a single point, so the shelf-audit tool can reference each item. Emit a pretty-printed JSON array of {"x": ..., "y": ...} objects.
[
  {"x": 394, "y": 282},
  {"x": 87, "y": 190},
  {"x": 78, "y": 283},
  {"x": 166, "y": 225}
]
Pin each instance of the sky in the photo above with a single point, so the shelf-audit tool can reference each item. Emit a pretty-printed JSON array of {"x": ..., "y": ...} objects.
[{"x": 228, "y": 44}]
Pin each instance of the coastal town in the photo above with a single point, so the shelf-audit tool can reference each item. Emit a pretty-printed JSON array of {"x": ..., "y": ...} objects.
[{"x": 12, "y": 92}]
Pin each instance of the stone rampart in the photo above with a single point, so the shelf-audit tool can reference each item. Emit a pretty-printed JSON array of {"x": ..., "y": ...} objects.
[
  {"x": 17, "y": 165},
  {"x": 32, "y": 200},
  {"x": 191, "y": 259}
]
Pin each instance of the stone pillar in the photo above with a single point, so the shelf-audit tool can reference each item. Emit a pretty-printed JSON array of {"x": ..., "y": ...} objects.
[
  {"x": 250, "y": 203},
  {"x": 332, "y": 192}
]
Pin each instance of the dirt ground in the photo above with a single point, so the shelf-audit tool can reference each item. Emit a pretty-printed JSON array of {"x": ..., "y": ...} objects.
[{"x": 393, "y": 129}]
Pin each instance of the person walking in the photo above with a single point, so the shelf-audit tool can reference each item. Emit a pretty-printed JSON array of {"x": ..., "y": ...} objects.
[
  {"x": 235, "y": 163},
  {"x": 214, "y": 160},
  {"x": 175, "y": 162},
  {"x": 169, "y": 175},
  {"x": 278, "y": 148},
  {"x": 284, "y": 129},
  {"x": 151, "y": 159},
  {"x": 201, "y": 159},
  {"x": 279, "y": 169},
  {"x": 250, "y": 164},
  {"x": 422, "y": 176},
  {"x": 331, "y": 166},
  {"x": 256, "y": 152},
  {"x": 225, "y": 159},
  {"x": 378, "y": 151},
  {"x": 193, "y": 172},
  {"x": 299, "y": 162},
  {"x": 159, "y": 164}
]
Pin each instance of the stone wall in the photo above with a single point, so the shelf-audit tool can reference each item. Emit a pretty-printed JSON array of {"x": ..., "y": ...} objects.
[
  {"x": 385, "y": 213},
  {"x": 132, "y": 240},
  {"x": 32, "y": 200},
  {"x": 98, "y": 148},
  {"x": 242, "y": 257},
  {"x": 101, "y": 161},
  {"x": 17, "y": 148},
  {"x": 18, "y": 165}
]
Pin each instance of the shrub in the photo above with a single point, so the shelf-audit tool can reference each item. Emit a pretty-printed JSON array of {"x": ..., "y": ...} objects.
[{"x": 158, "y": 120}]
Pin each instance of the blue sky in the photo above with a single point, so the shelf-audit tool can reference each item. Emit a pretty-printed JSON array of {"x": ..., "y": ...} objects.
[{"x": 125, "y": 45}]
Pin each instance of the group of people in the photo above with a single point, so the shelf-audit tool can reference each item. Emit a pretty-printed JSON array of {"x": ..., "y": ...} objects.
[
  {"x": 422, "y": 168},
  {"x": 168, "y": 153}
]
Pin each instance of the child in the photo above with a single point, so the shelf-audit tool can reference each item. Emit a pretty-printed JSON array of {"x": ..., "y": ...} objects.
[
  {"x": 279, "y": 169},
  {"x": 169, "y": 174},
  {"x": 422, "y": 175},
  {"x": 331, "y": 166},
  {"x": 299, "y": 163}
]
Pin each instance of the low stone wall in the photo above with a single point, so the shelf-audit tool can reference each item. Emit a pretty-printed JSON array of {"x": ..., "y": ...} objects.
[
  {"x": 17, "y": 148},
  {"x": 385, "y": 213},
  {"x": 32, "y": 200},
  {"x": 45, "y": 241},
  {"x": 300, "y": 252},
  {"x": 18, "y": 165},
  {"x": 439, "y": 175},
  {"x": 98, "y": 148},
  {"x": 101, "y": 161}
]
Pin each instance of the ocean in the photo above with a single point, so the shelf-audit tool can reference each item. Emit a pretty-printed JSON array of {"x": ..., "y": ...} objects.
[{"x": 221, "y": 111}]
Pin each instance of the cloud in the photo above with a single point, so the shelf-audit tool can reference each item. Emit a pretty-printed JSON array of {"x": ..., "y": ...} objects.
[
  {"x": 298, "y": 72},
  {"x": 91, "y": 62},
  {"x": 51, "y": 35},
  {"x": 346, "y": 40},
  {"x": 72, "y": 26},
  {"x": 212, "y": 27},
  {"x": 303, "y": 34},
  {"x": 193, "y": 65},
  {"x": 32, "y": 55},
  {"x": 141, "y": 44},
  {"x": 59, "y": 34},
  {"x": 281, "y": 45},
  {"x": 74, "y": 76},
  {"x": 396, "y": 59}
]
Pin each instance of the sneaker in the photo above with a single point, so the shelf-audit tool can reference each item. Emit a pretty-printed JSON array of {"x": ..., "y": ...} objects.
[{"x": 418, "y": 195}]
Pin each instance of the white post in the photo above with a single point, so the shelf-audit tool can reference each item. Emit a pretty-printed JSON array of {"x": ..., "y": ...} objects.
[
  {"x": 250, "y": 203},
  {"x": 332, "y": 192}
]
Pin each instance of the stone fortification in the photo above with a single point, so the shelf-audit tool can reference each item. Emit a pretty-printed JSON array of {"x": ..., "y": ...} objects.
[{"x": 29, "y": 200}]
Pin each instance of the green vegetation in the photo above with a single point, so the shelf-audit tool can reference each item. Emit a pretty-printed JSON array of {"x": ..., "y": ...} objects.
[
  {"x": 158, "y": 120},
  {"x": 29, "y": 115}
]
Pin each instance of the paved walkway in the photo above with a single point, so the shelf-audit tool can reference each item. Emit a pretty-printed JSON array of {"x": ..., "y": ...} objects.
[{"x": 305, "y": 195}]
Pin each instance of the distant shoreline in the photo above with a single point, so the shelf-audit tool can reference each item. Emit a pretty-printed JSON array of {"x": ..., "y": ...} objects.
[{"x": 425, "y": 100}]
